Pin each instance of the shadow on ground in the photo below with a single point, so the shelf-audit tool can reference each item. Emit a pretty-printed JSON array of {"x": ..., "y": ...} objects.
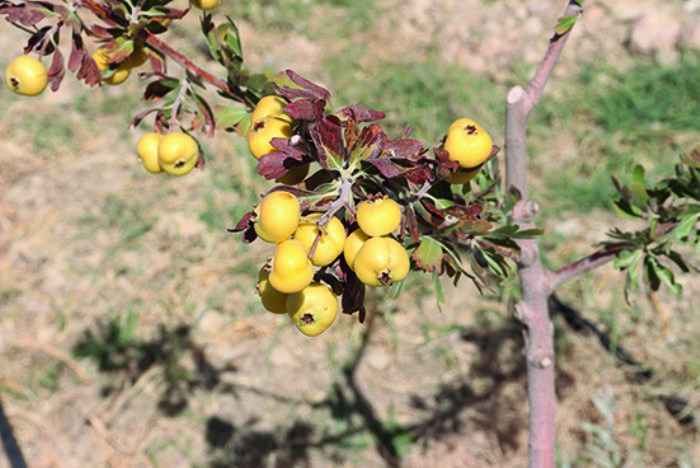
[{"x": 354, "y": 424}]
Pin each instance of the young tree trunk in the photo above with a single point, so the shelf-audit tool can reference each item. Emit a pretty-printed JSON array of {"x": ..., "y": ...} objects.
[{"x": 535, "y": 281}]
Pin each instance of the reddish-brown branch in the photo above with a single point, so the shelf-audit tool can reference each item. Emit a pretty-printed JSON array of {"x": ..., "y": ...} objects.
[
  {"x": 158, "y": 44},
  {"x": 580, "y": 267},
  {"x": 536, "y": 282}
]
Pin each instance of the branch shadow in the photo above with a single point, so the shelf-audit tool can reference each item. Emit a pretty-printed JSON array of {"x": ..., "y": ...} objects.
[
  {"x": 118, "y": 352},
  {"x": 473, "y": 402}
]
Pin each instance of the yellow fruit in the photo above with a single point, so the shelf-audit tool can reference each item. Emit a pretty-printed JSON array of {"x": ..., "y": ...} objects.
[
  {"x": 178, "y": 153},
  {"x": 119, "y": 75},
  {"x": 462, "y": 176},
  {"x": 468, "y": 143},
  {"x": 270, "y": 106},
  {"x": 265, "y": 130},
  {"x": 353, "y": 244},
  {"x": 26, "y": 75},
  {"x": 147, "y": 149},
  {"x": 204, "y": 4},
  {"x": 330, "y": 243},
  {"x": 277, "y": 217},
  {"x": 313, "y": 309},
  {"x": 295, "y": 175},
  {"x": 381, "y": 261},
  {"x": 138, "y": 57},
  {"x": 378, "y": 217},
  {"x": 291, "y": 269},
  {"x": 272, "y": 300}
]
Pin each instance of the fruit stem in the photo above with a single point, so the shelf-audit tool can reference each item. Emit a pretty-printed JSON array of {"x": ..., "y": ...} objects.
[{"x": 178, "y": 103}]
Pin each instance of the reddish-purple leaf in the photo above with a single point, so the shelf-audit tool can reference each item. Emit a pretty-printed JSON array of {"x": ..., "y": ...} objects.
[
  {"x": 56, "y": 71},
  {"x": 387, "y": 167},
  {"x": 77, "y": 53},
  {"x": 359, "y": 113},
  {"x": 402, "y": 148},
  {"x": 246, "y": 224},
  {"x": 272, "y": 165},
  {"x": 140, "y": 116},
  {"x": 369, "y": 144},
  {"x": 304, "y": 109},
  {"x": 412, "y": 225},
  {"x": 327, "y": 136},
  {"x": 420, "y": 174},
  {"x": 157, "y": 89},
  {"x": 313, "y": 88}
]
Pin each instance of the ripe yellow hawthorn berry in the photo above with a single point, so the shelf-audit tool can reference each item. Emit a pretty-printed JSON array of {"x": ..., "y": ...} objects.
[
  {"x": 468, "y": 143},
  {"x": 147, "y": 149},
  {"x": 119, "y": 75},
  {"x": 295, "y": 175},
  {"x": 330, "y": 243},
  {"x": 291, "y": 269},
  {"x": 353, "y": 244},
  {"x": 138, "y": 57},
  {"x": 378, "y": 217},
  {"x": 381, "y": 261},
  {"x": 26, "y": 75},
  {"x": 204, "y": 4},
  {"x": 270, "y": 106},
  {"x": 277, "y": 217},
  {"x": 178, "y": 153},
  {"x": 265, "y": 130},
  {"x": 462, "y": 176},
  {"x": 272, "y": 300},
  {"x": 313, "y": 309}
]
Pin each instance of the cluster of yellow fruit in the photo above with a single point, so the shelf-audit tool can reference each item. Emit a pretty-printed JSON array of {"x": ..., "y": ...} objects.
[
  {"x": 268, "y": 121},
  {"x": 285, "y": 283},
  {"x": 26, "y": 75},
  {"x": 175, "y": 153},
  {"x": 119, "y": 74},
  {"x": 468, "y": 144}
]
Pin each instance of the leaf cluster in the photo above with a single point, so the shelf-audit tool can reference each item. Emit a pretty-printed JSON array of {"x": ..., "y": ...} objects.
[{"x": 670, "y": 210}]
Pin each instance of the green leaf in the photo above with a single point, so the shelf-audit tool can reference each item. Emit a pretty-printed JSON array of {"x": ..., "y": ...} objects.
[
  {"x": 626, "y": 259},
  {"x": 565, "y": 24},
  {"x": 439, "y": 294},
  {"x": 229, "y": 116},
  {"x": 428, "y": 256},
  {"x": 688, "y": 220},
  {"x": 625, "y": 210},
  {"x": 667, "y": 278}
]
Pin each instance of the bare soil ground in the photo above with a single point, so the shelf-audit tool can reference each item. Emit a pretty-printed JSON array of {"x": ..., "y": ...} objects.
[{"x": 98, "y": 258}]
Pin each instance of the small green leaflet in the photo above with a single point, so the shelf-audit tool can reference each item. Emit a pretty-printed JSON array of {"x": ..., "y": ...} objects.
[
  {"x": 229, "y": 116},
  {"x": 565, "y": 24}
]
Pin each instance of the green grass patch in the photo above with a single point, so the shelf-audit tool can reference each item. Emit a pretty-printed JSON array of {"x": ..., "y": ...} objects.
[
  {"x": 427, "y": 95},
  {"x": 617, "y": 120}
]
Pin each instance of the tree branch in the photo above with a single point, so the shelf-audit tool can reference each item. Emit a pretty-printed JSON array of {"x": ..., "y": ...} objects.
[
  {"x": 586, "y": 264},
  {"x": 535, "y": 281},
  {"x": 161, "y": 46}
]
